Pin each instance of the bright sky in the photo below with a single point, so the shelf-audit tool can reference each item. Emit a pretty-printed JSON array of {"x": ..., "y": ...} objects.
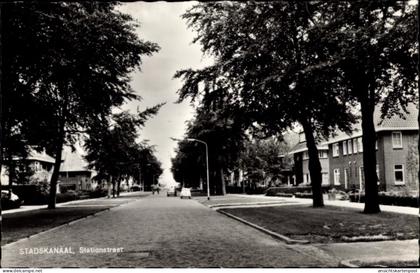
[{"x": 161, "y": 22}]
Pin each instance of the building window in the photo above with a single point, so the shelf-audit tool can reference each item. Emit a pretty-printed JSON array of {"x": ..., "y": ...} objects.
[
  {"x": 355, "y": 145},
  {"x": 323, "y": 154},
  {"x": 336, "y": 176},
  {"x": 376, "y": 144},
  {"x": 305, "y": 155},
  {"x": 399, "y": 174},
  {"x": 377, "y": 173},
  {"x": 344, "y": 147},
  {"x": 359, "y": 145},
  {"x": 302, "y": 137},
  {"x": 325, "y": 179},
  {"x": 350, "y": 150},
  {"x": 346, "y": 178},
  {"x": 361, "y": 177},
  {"x": 396, "y": 140},
  {"x": 306, "y": 178},
  {"x": 335, "y": 150}
]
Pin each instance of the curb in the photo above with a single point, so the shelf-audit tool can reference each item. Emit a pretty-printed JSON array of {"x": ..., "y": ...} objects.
[
  {"x": 65, "y": 224},
  {"x": 281, "y": 237},
  {"x": 274, "y": 203},
  {"x": 347, "y": 263}
]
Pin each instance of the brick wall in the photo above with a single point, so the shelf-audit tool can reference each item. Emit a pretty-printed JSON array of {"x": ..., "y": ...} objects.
[{"x": 406, "y": 156}]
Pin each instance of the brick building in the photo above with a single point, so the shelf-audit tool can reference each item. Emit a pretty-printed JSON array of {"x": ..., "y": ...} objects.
[
  {"x": 301, "y": 162},
  {"x": 396, "y": 154}
]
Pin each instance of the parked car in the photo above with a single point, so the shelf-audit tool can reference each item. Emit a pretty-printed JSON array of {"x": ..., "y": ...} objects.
[
  {"x": 135, "y": 188},
  {"x": 185, "y": 193},
  {"x": 10, "y": 203},
  {"x": 171, "y": 191}
]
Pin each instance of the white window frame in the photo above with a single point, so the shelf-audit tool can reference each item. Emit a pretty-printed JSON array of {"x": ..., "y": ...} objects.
[
  {"x": 344, "y": 147},
  {"x": 359, "y": 144},
  {"x": 336, "y": 150},
  {"x": 403, "y": 175},
  {"x": 346, "y": 178},
  {"x": 323, "y": 154},
  {"x": 349, "y": 147},
  {"x": 354, "y": 145},
  {"x": 336, "y": 177},
  {"x": 361, "y": 176},
  {"x": 395, "y": 145},
  {"x": 325, "y": 178}
]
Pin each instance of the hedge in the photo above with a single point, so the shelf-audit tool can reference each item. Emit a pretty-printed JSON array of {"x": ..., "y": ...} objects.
[
  {"x": 292, "y": 190},
  {"x": 387, "y": 198}
]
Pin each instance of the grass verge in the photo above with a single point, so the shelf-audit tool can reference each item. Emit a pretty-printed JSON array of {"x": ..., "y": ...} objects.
[
  {"x": 23, "y": 224},
  {"x": 330, "y": 224}
]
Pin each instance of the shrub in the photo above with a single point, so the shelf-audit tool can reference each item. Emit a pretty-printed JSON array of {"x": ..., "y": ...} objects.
[
  {"x": 283, "y": 194},
  {"x": 274, "y": 190},
  {"x": 390, "y": 198},
  {"x": 303, "y": 194},
  {"x": 98, "y": 192},
  {"x": 69, "y": 195}
]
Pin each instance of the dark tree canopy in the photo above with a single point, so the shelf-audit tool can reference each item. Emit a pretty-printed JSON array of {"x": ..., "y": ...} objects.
[{"x": 65, "y": 64}]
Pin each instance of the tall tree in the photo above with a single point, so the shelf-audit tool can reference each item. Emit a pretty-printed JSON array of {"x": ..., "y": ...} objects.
[
  {"x": 224, "y": 136},
  {"x": 374, "y": 45},
  {"x": 261, "y": 50},
  {"x": 71, "y": 63},
  {"x": 112, "y": 149}
]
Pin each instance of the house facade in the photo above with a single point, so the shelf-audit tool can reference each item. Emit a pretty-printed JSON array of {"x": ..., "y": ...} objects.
[
  {"x": 301, "y": 162},
  {"x": 38, "y": 164},
  {"x": 74, "y": 172},
  {"x": 396, "y": 155}
]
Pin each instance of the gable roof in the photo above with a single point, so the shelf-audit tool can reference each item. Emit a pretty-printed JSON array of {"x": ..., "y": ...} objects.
[
  {"x": 39, "y": 156},
  {"x": 393, "y": 123},
  {"x": 73, "y": 161},
  {"x": 301, "y": 147}
]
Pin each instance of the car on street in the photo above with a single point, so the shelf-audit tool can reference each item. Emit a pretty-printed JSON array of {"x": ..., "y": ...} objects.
[
  {"x": 171, "y": 191},
  {"x": 136, "y": 188},
  {"x": 185, "y": 193},
  {"x": 10, "y": 203}
]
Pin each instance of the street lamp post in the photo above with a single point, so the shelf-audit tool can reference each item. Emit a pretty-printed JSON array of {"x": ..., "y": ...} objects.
[{"x": 207, "y": 163}]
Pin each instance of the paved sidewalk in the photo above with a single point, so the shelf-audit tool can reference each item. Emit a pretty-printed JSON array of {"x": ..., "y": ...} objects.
[
  {"x": 397, "y": 209},
  {"x": 37, "y": 207},
  {"x": 159, "y": 231},
  {"x": 22, "y": 224}
]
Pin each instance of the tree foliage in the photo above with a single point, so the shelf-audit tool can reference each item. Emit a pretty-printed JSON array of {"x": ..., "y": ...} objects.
[
  {"x": 261, "y": 50},
  {"x": 224, "y": 136},
  {"x": 373, "y": 46},
  {"x": 65, "y": 65}
]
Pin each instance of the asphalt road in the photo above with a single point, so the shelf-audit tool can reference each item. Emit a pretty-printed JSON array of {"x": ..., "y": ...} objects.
[{"x": 160, "y": 231}]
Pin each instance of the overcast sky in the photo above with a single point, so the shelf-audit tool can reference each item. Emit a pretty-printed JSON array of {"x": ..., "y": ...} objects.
[{"x": 161, "y": 22}]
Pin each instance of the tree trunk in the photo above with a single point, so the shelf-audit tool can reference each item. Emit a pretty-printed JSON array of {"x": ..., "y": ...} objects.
[
  {"x": 222, "y": 179},
  {"x": 369, "y": 155},
  {"x": 56, "y": 172},
  {"x": 118, "y": 186},
  {"x": 314, "y": 165},
  {"x": 12, "y": 173},
  {"x": 113, "y": 188},
  {"x": 1, "y": 89}
]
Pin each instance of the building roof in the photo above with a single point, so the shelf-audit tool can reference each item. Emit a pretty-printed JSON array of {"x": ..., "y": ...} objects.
[
  {"x": 39, "y": 156},
  {"x": 301, "y": 147},
  {"x": 73, "y": 161},
  {"x": 394, "y": 123}
]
